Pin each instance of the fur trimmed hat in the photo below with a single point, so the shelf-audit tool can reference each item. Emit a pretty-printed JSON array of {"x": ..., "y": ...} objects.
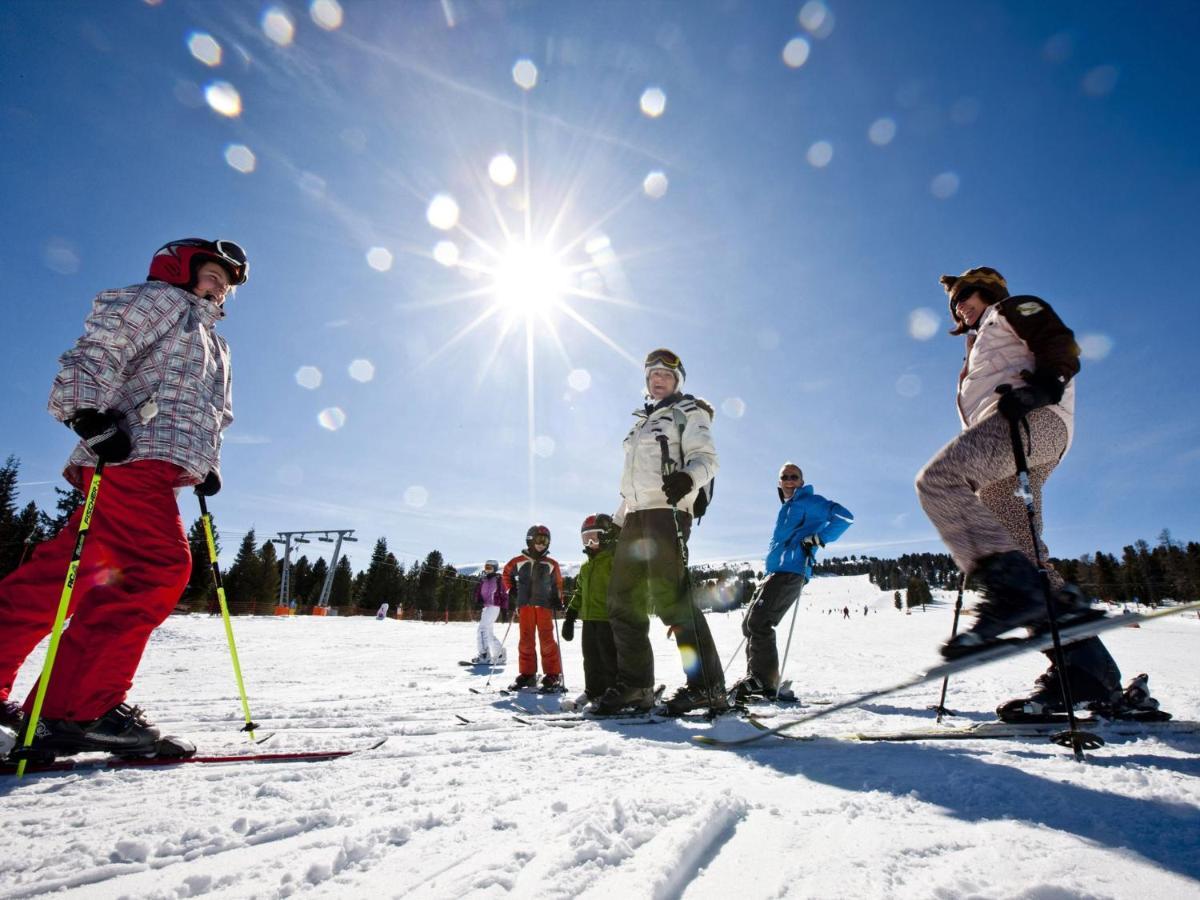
[{"x": 984, "y": 279}]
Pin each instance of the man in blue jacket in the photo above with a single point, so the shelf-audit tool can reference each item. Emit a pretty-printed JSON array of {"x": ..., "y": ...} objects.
[{"x": 806, "y": 521}]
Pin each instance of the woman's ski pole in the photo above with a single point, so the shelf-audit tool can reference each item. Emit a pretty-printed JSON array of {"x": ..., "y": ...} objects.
[
  {"x": 64, "y": 603},
  {"x": 206, "y": 518},
  {"x": 941, "y": 705}
]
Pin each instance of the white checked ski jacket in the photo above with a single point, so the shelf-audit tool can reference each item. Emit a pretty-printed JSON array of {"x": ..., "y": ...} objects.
[
  {"x": 691, "y": 449},
  {"x": 151, "y": 341}
]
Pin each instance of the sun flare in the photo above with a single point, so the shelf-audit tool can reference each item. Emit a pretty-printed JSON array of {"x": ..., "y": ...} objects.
[{"x": 530, "y": 279}]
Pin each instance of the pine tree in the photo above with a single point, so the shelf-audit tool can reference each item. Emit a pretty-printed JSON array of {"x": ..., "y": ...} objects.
[
  {"x": 268, "y": 558},
  {"x": 10, "y": 539},
  {"x": 243, "y": 583},
  {"x": 68, "y": 501},
  {"x": 316, "y": 581},
  {"x": 428, "y": 581},
  {"x": 201, "y": 591},
  {"x": 374, "y": 588},
  {"x": 341, "y": 591}
]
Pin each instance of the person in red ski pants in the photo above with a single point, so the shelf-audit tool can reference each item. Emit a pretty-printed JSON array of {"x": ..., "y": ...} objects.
[{"x": 148, "y": 390}]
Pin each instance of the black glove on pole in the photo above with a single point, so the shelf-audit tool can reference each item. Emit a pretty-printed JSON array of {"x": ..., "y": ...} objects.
[{"x": 102, "y": 433}]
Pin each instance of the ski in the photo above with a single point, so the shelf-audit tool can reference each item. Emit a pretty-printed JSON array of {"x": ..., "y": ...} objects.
[
  {"x": 1001, "y": 650},
  {"x": 1000, "y": 730},
  {"x": 151, "y": 762}
]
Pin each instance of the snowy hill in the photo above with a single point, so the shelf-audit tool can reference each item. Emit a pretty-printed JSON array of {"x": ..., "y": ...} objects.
[{"x": 493, "y": 808}]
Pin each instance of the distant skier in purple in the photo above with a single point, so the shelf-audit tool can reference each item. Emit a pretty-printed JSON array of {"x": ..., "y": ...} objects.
[
  {"x": 491, "y": 598},
  {"x": 969, "y": 489}
]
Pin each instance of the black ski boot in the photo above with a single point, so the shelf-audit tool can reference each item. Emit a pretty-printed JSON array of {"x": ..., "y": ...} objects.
[
  {"x": 1012, "y": 597},
  {"x": 1134, "y": 704},
  {"x": 552, "y": 684},
  {"x": 524, "y": 681},
  {"x": 11, "y": 715},
  {"x": 122, "y": 731},
  {"x": 694, "y": 696},
  {"x": 751, "y": 688},
  {"x": 619, "y": 698},
  {"x": 1045, "y": 704}
]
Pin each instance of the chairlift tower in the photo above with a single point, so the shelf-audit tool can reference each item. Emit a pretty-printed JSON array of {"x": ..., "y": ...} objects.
[{"x": 300, "y": 537}]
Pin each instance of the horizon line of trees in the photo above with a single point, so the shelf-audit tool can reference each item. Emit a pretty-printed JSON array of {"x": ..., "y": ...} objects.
[{"x": 433, "y": 589}]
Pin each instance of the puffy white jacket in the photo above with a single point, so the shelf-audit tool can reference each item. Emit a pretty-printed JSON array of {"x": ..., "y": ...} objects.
[
  {"x": 147, "y": 342},
  {"x": 1018, "y": 334},
  {"x": 692, "y": 450}
]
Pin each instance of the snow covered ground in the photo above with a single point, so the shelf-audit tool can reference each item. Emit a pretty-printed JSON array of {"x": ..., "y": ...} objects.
[{"x": 494, "y": 808}]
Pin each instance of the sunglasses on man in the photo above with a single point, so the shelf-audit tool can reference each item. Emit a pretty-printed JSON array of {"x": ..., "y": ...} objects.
[{"x": 789, "y": 477}]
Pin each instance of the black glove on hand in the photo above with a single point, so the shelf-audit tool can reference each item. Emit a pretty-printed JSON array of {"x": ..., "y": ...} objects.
[
  {"x": 812, "y": 541},
  {"x": 103, "y": 434},
  {"x": 568, "y": 629},
  {"x": 1041, "y": 389},
  {"x": 210, "y": 485},
  {"x": 676, "y": 486}
]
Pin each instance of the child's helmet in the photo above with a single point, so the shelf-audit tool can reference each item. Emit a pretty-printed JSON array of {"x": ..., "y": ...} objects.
[
  {"x": 536, "y": 531},
  {"x": 177, "y": 262}
]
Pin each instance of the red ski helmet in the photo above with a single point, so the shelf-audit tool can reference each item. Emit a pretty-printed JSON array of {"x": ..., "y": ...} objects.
[
  {"x": 598, "y": 522},
  {"x": 536, "y": 531},
  {"x": 177, "y": 262}
]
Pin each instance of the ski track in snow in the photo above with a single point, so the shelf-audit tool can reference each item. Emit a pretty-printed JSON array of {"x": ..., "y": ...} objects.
[{"x": 493, "y": 808}]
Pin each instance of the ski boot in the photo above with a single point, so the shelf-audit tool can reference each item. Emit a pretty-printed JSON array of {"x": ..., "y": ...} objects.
[
  {"x": 620, "y": 697},
  {"x": 552, "y": 684},
  {"x": 479, "y": 659},
  {"x": 750, "y": 688},
  {"x": 524, "y": 682},
  {"x": 1134, "y": 704},
  {"x": 694, "y": 696},
  {"x": 1012, "y": 597},
  {"x": 497, "y": 660},
  {"x": 122, "y": 731}
]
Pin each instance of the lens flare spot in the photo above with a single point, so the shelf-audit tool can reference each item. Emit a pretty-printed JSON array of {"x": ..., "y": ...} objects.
[
  {"x": 362, "y": 370},
  {"x": 240, "y": 157},
  {"x": 205, "y": 48},
  {"x": 690, "y": 660},
  {"x": 442, "y": 212},
  {"x": 544, "y": 446},
  {"x": 908, "y": 385},
  {"x": 653, "y": 102},
  {"x": 882, "y": 131},
  {"x": 502, "y": 170},
  {"x": 795, "y": 52},
  {"x": 525, "y": 74},
  {"x": 1095, "y": 346},
  {"x": 446, "y": 253},
  {"x": 379, "y": 259},
  {"x": 223, "y": 98},
  {"x": 655, "y": 185},
  {"x": 278, "y": 26},
  {"x": 643, "y": 549},
  {"x": 817, "y": 19},
  {"x": 309, "y": 377},
  {"x": 415, "y": 496},
  {"x": 1100, "y": 81},
  {"x": 734, "y": 407},
  {"x": 327, "y": 14},
  {"x": 944, "y": 186},
  {"x": 820, "y": 154},
  {"x": 331, "y": 418},
  {"x": 579, "y": 380},
  {"x": 597, "y": 245},
  {"x": 60, "y": 256},
  {"x": 923, "y": 323}
]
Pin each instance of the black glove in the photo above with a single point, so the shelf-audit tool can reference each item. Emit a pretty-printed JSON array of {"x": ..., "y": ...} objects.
[
  {"x": 812, "y": 541},
  {"x": 210, "y": 485},
  {"x": 103, "y": 434},
  {"x": 568, "y": 629},
  {"x": 676, "y": 486},
  {"x": 1041, "y": 389}
]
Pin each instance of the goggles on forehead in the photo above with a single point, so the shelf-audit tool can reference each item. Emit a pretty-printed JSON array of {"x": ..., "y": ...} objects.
[{"x": 664, "y": 358}]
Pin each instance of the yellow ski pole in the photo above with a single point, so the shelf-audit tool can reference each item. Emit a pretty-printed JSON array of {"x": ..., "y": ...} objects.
[
  {"x": 206, "y": 518},
  {"x": 64, "y": 603}
]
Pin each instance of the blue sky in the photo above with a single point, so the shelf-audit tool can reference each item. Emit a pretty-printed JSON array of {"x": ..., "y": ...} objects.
[{"x": 792, "y": 260}]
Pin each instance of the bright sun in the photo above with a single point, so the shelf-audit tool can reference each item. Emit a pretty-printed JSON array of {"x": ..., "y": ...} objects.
[{"x": 530, "y": 279}]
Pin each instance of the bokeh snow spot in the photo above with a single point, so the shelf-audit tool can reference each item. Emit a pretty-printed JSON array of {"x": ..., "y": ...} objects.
[
  {"x": 655, "y": 185},
  {"x": 653, "y": 102},
  {"x": 795, "y": 52},
  {"x": 579, "y": 380},
  {"x": 442, "y": 212},
  {"x": 1095, "y": 346},
  {"x": 820, "y": 154},
  {"x": 502, "y": 170},
  {"x": 544, "y": 446},
  {"x": 446, "y": 253},
  {"x": 923, "y": 323},
  {"x": 734, "y": 407},
  {"x": 882, "y": 131},
  {"x": 362, "y": 370},
  {"x": 525, "y": 74},
  {"x": 278, "y": 26},
  {"x": 241, "y": 158},
  {"x": 379, "y": 259},
  {"x": 327, "y": 14},
  {"x": 309, "y": 377},
  {"x": 223, "y": 98},
  {"x": 944, "y": 186},
  {"x": 204, "y": 47},
  {"x": 60, "y": 256},
  {"x": 331, "y": 418}
]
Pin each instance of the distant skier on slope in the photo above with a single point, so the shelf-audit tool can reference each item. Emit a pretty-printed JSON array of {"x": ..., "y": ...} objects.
[
  {"x": 806, "y": 521},
  {"x": 649, "y": 564},
  {"x": 492, "y": 599},
  {"x": 969, "y": 489},
  {"x": 590, "y": 603},
  {"x": 534, "y": 584},
  {"x": 147, "y": 389}
]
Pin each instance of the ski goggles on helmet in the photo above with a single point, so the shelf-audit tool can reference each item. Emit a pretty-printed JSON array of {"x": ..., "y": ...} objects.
[
  {"x": 227, "y": 253},
  {"x": 663, "y": 359}
]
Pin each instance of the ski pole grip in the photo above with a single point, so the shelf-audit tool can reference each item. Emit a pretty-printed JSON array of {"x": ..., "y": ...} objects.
[{"x": 665, "y": 451}]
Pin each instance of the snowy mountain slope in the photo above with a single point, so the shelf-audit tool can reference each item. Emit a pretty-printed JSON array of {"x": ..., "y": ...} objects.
[{"x": 493, "y": 808}]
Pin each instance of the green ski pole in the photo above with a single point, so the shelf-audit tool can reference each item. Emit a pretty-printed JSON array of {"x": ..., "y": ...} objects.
[
  {"x": 64, "y": 603},
  {"x": 206, "y": 518}
]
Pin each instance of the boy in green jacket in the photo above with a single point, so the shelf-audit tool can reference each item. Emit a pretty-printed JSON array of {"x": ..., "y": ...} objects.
[{"x": 590, "y": 603}]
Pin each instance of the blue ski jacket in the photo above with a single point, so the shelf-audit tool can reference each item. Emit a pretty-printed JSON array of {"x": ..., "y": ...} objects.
[{"x": 804, "y": 515}]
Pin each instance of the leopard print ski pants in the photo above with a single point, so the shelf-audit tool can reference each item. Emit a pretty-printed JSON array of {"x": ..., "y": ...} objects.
[{"x": 969, "y": 489}]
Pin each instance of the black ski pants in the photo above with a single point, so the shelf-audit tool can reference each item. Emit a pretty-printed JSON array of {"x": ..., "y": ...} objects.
[
  {"x": 599, "y": 658},
  {"x": 648, "y": 577},
  {"x": 771, "y": 602}
]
